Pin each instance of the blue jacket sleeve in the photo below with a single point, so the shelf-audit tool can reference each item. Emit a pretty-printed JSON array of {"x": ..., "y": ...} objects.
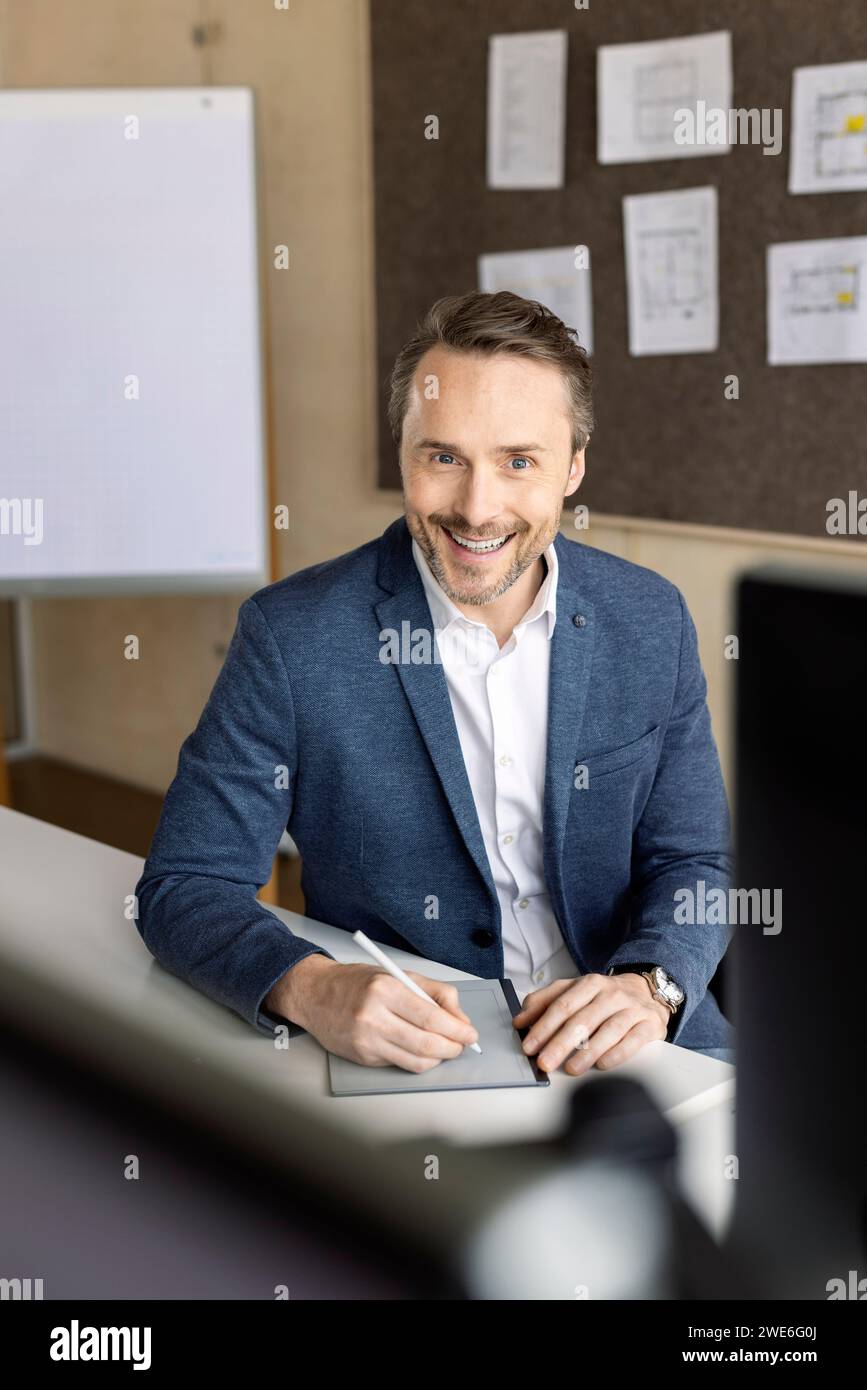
[
  {"x": 683, "y": 837},
  {"x": 220, "y": 825}
]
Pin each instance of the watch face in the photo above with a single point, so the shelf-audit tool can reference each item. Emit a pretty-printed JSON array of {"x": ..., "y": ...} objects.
[{"x": 667, "y": 986}]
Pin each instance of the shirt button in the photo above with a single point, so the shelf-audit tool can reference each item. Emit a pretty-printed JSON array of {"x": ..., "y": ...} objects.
[
  {"x": 539, "y": 976},
  {"x": 507, "y": 839},
  {"x": 505, "y": 761},
  {"x": 524, "y": 902}
]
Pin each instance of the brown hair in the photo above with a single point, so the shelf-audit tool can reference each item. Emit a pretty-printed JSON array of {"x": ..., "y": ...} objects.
[{"x": 489, "y": 323}]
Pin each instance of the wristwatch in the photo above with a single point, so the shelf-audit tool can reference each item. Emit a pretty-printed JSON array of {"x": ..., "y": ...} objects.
[{"x": 662, "y": 986}]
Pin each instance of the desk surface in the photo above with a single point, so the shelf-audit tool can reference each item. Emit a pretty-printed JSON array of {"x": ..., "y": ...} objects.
[{"x": 63, "y": 930}]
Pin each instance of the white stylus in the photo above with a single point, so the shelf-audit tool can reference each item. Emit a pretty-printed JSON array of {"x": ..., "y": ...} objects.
[{"x": 382, "y": 959}]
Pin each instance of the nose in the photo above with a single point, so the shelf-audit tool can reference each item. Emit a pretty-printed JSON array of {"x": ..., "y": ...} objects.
[{"x": 478, "y": 499}]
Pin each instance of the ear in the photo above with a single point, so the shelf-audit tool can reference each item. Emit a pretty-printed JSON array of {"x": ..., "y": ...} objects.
[{"x": 576, "y": 471}]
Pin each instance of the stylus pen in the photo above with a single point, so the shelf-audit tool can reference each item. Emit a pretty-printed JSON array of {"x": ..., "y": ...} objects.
[{"x": 373, "y": 950}]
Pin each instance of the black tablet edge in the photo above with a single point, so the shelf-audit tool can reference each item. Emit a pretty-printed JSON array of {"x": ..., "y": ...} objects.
[{"x": 514, "y": 1003}]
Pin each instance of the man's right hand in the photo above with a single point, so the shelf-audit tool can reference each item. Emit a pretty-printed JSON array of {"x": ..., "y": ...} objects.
[{"x": 364, "y": 1014}]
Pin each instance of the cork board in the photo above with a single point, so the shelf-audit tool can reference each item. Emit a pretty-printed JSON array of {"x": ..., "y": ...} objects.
[{"x": 667, "y": 445}]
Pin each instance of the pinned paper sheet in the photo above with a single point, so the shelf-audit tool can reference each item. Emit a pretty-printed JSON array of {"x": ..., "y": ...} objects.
[
  {"x": 640, "y": 88},
  {"x": 671, "y": 271},
  {"x": 829, "y": 129},
  {"x": 558, "y": 277},
  {"x": 527, "y": 109},
  {"x": 817, "y": 301}
]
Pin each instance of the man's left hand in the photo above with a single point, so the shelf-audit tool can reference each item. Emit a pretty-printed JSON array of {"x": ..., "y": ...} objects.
[{"x": 607, "y": 1018}]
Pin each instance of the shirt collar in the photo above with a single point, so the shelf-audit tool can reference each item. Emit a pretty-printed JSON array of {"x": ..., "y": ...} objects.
[{"x": 444, "y": 612}]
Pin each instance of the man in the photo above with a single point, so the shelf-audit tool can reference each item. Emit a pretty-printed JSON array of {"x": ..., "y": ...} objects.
[{"x": 490, "y": 744}]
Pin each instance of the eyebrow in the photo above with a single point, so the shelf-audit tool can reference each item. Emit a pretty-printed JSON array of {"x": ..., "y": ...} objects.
[{"x": 501, "y": 449}]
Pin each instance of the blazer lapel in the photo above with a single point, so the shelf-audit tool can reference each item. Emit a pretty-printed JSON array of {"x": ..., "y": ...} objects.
[
  {"x": 426, "y": 687},
  {"x": 571, "y": 660}
]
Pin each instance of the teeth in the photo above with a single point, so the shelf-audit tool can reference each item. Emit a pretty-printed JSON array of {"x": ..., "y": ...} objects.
[{"x": 479, "y": 545}]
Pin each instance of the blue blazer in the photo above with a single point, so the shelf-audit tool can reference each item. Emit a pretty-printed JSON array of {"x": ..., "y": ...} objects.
[{"x": 309, "y": 728}]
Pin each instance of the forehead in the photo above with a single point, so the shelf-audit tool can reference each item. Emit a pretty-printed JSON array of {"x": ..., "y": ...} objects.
[{"x": 504, "y": 385}]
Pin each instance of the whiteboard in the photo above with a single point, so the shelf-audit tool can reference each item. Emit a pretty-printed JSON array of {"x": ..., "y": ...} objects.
[{"x": 132, "y": 439}]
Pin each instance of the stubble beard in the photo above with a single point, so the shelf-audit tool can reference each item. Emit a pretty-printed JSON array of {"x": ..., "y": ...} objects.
[{"x": 478, "y": 598}]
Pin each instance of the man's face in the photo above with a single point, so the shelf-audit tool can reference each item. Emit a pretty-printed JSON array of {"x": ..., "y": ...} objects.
[{"x": 488, "y": 460}]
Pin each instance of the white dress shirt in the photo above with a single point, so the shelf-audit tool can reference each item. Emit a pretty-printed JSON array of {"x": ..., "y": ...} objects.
[{"x": 499, "y": 697}]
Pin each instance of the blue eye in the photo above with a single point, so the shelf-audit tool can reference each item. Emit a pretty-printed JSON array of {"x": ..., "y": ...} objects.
[
  {"x": 437, "y": 457},
  {"x": 521, "y": 459}
]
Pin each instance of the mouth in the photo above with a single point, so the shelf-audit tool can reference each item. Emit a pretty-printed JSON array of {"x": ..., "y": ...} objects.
[{"x": 476, "y": 550}]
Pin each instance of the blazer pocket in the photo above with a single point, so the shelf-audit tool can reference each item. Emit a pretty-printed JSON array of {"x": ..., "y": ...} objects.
[{"x": 624, "y": 756}]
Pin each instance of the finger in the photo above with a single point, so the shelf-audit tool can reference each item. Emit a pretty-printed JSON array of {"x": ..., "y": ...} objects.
[
  {"x": 629, "y": 1044},
  {"x": 577, "y": 995},
  {"x": 445, "y": 993},
  {"x": 578, "y": 1031},
  {"x": 420, "y": 1042},
  {"x": 606, "y": 1036},
  {"x": 537, "y": 1002},
  {"x": 427, "y": 1016},
  {"x": 394, "y": 1056}
]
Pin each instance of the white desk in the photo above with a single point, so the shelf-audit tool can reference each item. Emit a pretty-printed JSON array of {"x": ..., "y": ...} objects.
[{"x": 73, "y": 966}]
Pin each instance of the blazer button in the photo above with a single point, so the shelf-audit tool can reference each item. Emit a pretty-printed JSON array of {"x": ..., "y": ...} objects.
[
  {"x": 483, "y": 937},
  {"x": 579, "y": 620}
]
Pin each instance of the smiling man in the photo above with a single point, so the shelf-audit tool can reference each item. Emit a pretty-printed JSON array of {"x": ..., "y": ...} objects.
[{"x": 524, "y": 795}]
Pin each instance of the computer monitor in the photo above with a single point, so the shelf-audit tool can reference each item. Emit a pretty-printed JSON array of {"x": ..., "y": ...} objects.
[{"x": 800, "y": 982}]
